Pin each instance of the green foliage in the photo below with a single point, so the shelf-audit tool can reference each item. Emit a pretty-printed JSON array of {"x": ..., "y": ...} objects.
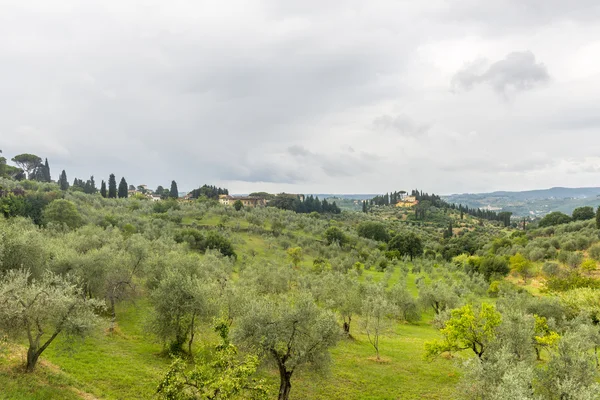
[
  {"x": 554, "y": 218},
  {"x": 62, "y": 212},
  {"x": 295, "y": 255},
  {"x": 112, "y": 187},
  {"x": 43, "y": 309},
  {"x": 467, "y": 329},
  {"x": 407, "y": 244},
  {"x": 237, "y": 205},
  {"x": 217, "y": 374},
  {"x": 292, "y": 330},
  {"x": 174, "y": 192},
  {"x": 123, "y": 189},
  {"x": 373, "y": 230},
  {"x": 494, "y": 266},
  {"x": 180, "y": 303},
  {"x": 27, "y": 162},
  {"x": 522, "y": 266},
  {"x": 583, "y": 213},
  {"x": 334, "y": 234}
]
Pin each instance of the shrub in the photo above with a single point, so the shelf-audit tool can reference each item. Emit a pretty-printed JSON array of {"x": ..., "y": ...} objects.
[
  {"x": 335, "y": 235},
  {"x": 494, "y": 266},
  {"x": 373, "y": 230},
  {"x": 554, "y": 218},
  {"x": 594, "y": 252},
  {"x": 550, "y": 269}
]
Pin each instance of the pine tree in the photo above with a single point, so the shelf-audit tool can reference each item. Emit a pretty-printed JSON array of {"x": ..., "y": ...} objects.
[
  {"x": 174, "y": 193},
  {"x": 63, "y": 183},
  {"x": 112, "y": 187},
  {"x": 123, "y": 189},
  {"x": 103, "y": 189}
]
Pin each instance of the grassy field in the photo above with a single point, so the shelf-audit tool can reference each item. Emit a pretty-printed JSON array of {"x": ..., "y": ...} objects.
[{"x": 128, "y": 363}]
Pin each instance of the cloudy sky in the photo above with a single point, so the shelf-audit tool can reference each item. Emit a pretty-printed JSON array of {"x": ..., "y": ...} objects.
[{"x": 306, "y": 96}]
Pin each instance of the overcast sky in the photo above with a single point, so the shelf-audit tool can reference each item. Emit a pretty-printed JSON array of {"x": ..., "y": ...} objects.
[{"x": 306, "y": 96}]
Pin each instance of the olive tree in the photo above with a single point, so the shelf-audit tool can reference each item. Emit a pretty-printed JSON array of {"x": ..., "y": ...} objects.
[
  {"x": 467, "y": 329},
  {"x": 375, "y": 314},
  {"x": 292, "y": 330},
  {"x": 43, "y": 309},
  {"x": 180, "y": 300}
]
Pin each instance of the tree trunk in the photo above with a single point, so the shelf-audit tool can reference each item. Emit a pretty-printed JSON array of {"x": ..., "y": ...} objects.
[
  {"x": 285, "y": 383},
  {"x": 113, "y": 314},
  {"x": 347, "y": 326},
  {"x": 32, "y": 358},
  {"x": 192, "y": 329}
]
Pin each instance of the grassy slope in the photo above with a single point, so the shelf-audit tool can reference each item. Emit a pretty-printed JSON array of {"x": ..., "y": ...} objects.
[{"x": 128, "y": 364}]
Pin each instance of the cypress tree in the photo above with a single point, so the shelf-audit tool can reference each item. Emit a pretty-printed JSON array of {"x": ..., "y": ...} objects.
[
  {"x": 93, "y": 188},
  {"x": 103, "y": 188},
  {"x": 63, "y": 183},
  {"x": 112, "y": 187},
  {"x": 174, "y": 193},
  {"x": 123, "y": 189},
  {"x": 364, "y": 206},
  {"x": 598, "y": 218},
  {"x": 47, "y": 176}
]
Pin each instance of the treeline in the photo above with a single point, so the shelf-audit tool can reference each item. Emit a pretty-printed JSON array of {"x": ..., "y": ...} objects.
[
  {"x": 311, "y": 204},
  {"x": 427, "y": 200},
  {"x": 208, "y": 191}
]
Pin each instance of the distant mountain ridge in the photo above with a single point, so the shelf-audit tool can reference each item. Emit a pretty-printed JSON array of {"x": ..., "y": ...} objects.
[{"x": 531, "y": 202}]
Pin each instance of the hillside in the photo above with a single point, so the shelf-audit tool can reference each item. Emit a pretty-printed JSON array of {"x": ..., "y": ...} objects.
[{"x": 535, "y": 203}]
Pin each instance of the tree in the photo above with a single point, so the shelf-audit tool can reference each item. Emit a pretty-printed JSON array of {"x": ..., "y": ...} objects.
[
  {"x": 27, "y": 162},
  {"x": 295, "y": 255},
  {"x": 373, "y": 230},
  {"x": 103, "y": 189},
  {"x": 598, "y": 218},
  {"x": 554, "y": 218},
  {"x": 112, "y": 187},
  {"x": 375, "y": 310},
  {"x": 46, "y": 176},
  {"x": 522, "y": 266},
  {"x": 220, "y": 375},
  {"x": 334, "y": 234},
  {"x": 403, "y": 305},
  {"x": 583, "y": 213},
  {"x": 364, "y": 207},
  {"x": 467, "y": 329},
  {"x": 341, "y": 293},
  {"x": 438, "y": 295},
  {"x": 62, "y": 211},
  {"x": 180, "y": 301},
  {"x": 44, "y": 309},
  {"x": 408, "y": 244},
  {"x": 238, "y": 205},
  {"x": 63, "y": 183},
  {"x": 292, "y": 330},
  {"x": 174, "y": 193},
  {"x": 123, "y": 191}
]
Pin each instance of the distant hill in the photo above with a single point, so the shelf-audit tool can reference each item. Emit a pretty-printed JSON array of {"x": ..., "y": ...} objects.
[{"x": 531, "y": 202}]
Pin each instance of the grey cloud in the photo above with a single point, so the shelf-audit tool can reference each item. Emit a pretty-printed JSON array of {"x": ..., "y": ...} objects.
[
  {"x": 401, "y": 124},
  {"x": 518, "y": 70}
]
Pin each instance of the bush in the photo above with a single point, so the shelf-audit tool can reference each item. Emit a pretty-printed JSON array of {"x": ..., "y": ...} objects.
[
  {"x": 494, "y": 266},
  {"x": 594, "y": 252},
  {"x": 62, "y": 212},
  {"x": 554, "y": 218},
  {"x": 335, "y": 235},
  {"x": 373, "y": 230},
  {"x": 583, "y": 213},
  {"x": 550, "y": 269}
]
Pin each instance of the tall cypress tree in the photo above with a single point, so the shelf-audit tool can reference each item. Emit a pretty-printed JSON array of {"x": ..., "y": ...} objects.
[
  {"x": 364, "y": 206},
  {"x": 598, "y": 218},
  {"x": 123, "y": 189},
  {"x": 174, "y": 193},
  {"x": 103, "y": 189},
  {"x": 112, "y": 187},
  {"x": 63, "y": 183},
  {"x": 93, "y": 185},
  {"x": 47, "y": 175}
]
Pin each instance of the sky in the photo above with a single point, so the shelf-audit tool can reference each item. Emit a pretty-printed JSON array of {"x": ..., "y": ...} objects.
[{"x": 306, "y": 96}]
